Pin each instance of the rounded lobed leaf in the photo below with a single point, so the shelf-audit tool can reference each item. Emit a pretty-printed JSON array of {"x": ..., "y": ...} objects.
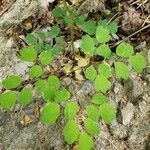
[
  {"x": 62, "y": 95},
  {"x": 28, "y": 54},
  {"x": 41, "y": 85},
  {"x": 92, "y": 112},
  {"x": 49, "y": 93},
  {"x": 102, "y": 83},
  {"x": 42, "y": 35},
  {"x": 71, "y": 110},
  {"x": 46, "y": 57},
  {"x": 85, "y": 142},
  {"x": 91, "y": 127},
  {"x": 31, "y": 39},
  {"x": 102, "y": 34},
  {"x": 54, "y": 32},
  {"x": 12, "y": 81},
  {"x": 99, "y": 98},
  {"x": 25, "y": 96},
  {"x": 71, "y": 132},
  {"x": 91, "y": 73},
  {"x": 113, "y": 27},
  {"x": 88, "y": 45},
  {"x": 35, "y": 71},
  {"x": 122, "y": 71},
  {"x": 124, "y": 50},
  {"x": 50, "y": 113},
  {"x": 138, "y": 62},
  {"x": 54, "y": 81},
  {"x": 8, "y": 99},
  {"x": 107, "y": 112},
  {"x": 89, "y": 27},
  {"x": 105, "y": 70},
  {"x": 104, "y": 51}
]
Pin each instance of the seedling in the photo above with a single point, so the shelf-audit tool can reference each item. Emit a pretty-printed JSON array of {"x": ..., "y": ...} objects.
[{"x": 95, "y": 42}]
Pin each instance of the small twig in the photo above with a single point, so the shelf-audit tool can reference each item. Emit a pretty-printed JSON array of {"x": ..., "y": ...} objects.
[
  {"x": 147, "y": 26},
  {"x": 145, "y": 20}
]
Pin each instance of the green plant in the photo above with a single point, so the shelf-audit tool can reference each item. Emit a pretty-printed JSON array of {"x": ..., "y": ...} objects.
[{"x": 95, "y": 42}]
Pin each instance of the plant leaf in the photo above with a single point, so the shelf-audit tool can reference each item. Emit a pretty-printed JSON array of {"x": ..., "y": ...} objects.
[
  {"x": 122, "y": 71},
  {"x": 113, "y": 27},
  {"x": 105, "y": 70},
  {"x": 91, "y": 73},
  {"x": 71, "y": 132},
  {"x": 50, "y": 113},
  {"x": 31, "y": 39},
  {"x": 8, "y": 99},
  {"x": 107, "y": 112},
  {"x": 104, "y": 51},
  {"x": 92, "y": 112},
  {"x": 124, "y": 50},
  {"x": 12, "y": 81},
  {"x": 41, "y": 85},
  {"x": 71, "y": 110},
  {"x": 91, "y": 127},
  {"x": 54, "y": 81},
  {"x": 99, "y": 98},
  {"x": 62, "y": 95},
  {"x": 35, "y": 71},
  {"x": 54, "y": 32},
  {"x": 102, "y": 34},
  {"x": 49, "y": 93},
  {"x": 46, "y": 58},
  {"x": 28, "y": 54},
  {"x": 25, "y": 96},
  {"x": 138, "y": 62},
  {"x": 88, "y": 45},
  {"x": 85, "y": 142},
  {"x": 102, "y": 83},
  {"x": 89, "y": 27}
]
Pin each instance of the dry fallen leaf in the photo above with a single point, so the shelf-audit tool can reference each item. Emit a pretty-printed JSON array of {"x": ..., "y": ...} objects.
[{"x": 26, "y": 120}]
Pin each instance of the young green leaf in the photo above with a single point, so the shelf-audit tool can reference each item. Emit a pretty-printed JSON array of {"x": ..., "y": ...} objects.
[
  {"x": 28, "y": 54},
  {"x": 124, "y": 50},
  {"x": 46, "y": 58},
  {"x": 12, "y": 81},
  {"x": 41, "y": 85},
  {"x": 58, "y": 12},
  {"x": 107, "y": 112},
  {"x": 35, "y": 71},
  {"x": 25, "y": 96},
  {"x": 113, "y": 27},
  {"x": 122, "y": 71},
  {"x": 102, "y": 83},
  {"x": 62, "y": 95},
  {"x": 104, "y": 51},
  {"x": 85, "y": 142},
  {"x": 102, "y": 34},
  {"x": 103, "y": 23},
  {"x": 31, "y": 39},
  {"x": 91, "y": 127},
  {"x": 92, "y": 112},
  {"x": 49, "y": 93},
  {"x": 8, "y": 99},
  {"x": 71, "y": 110},
  {"x": 138, "y": 62},
  {"x": 105, "y": 70},
  {"x": 50, "y": 113},
  {"x": 54, "y": 81},
  {"x": 91, "y": 73},
  {"x": 99, "y": 98},
  {"x": 54, "y": 32},
  {"x": 89, "y": 27},
  {"x": 42, "y": 36},
  {"x": 71, "y": 132},
  {"x": 88, "y": 45}
]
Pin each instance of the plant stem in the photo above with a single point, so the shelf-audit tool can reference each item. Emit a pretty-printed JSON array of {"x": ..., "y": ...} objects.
[{"x": 70, "y": 24}]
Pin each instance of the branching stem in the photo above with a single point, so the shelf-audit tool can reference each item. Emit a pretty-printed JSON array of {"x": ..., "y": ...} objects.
[{"x": 70, "y": 24}]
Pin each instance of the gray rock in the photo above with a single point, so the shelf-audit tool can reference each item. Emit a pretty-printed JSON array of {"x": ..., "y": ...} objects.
[{"x": 127, "y": 113}]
